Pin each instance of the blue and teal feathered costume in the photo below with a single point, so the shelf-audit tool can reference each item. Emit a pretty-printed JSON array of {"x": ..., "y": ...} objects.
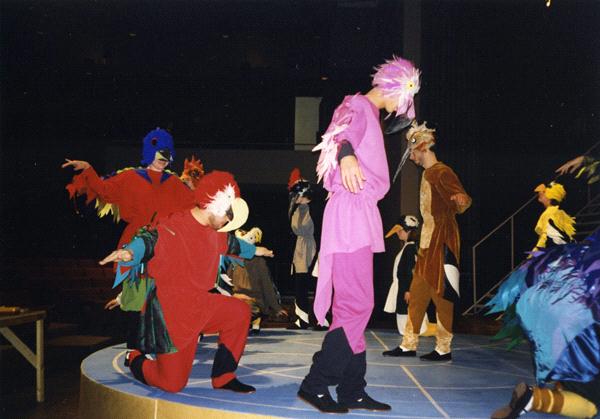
[{"x": 554, "y": 297}]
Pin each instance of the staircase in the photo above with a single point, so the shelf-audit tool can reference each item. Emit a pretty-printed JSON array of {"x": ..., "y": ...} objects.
[
  {"x": 588, "y": 219},
  {"x": 587, "y": 222}
]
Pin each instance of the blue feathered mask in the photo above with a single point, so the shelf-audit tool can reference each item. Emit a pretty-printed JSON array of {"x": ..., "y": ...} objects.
[{"x": 157, "y": 141}]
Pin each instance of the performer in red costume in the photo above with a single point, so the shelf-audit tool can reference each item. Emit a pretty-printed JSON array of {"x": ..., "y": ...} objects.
[
  {"x": 183, "y": 258},
  {"x": 141, "y": 194}
]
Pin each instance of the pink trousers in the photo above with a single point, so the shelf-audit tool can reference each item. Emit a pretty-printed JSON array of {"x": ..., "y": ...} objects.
[{"x": 353, "y": 295}]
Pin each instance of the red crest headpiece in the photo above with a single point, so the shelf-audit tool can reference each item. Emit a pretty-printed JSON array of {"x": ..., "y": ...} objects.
[
  {"x": 295, "y": 176},
  {"x": 219, "y": 193},
  {"x": 193, "y": 170}
]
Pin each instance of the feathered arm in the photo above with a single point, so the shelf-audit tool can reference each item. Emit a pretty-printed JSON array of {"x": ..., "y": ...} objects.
[
  {"x": 88, "y": 182},
  {"x": 106, "y": 191},
  {"x": 348, "y": 125},
  {"x": 329, "y": 149},
  {"x": 561, "y": 227}
]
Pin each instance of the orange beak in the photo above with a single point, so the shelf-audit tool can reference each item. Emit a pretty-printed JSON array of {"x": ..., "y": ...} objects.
[{"x": 393, "y": 230}]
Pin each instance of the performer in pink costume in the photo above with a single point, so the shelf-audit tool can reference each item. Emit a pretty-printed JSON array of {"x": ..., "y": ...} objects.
[{"x": 354, "y": 170}]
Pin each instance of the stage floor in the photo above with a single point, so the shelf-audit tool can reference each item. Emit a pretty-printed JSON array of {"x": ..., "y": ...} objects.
[{"x": 478, "y": 380}]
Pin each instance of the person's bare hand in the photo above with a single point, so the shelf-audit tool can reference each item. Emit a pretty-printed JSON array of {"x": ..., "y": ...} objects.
[
  {"x": 352, "y": 176},
  {"x": 121, "y": 255},
  {"x": 112, "y": 304},
  {"x": 76, "y": 164},
  {"x": 407, "y": 297},
  {"x": 263, "y": 251},
  {"x": 461, "y": 199},
  {"x": 570, "y": 166}
]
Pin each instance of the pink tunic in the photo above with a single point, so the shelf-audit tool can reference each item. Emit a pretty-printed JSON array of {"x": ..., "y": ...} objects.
[{"x": 352, "y": 221}]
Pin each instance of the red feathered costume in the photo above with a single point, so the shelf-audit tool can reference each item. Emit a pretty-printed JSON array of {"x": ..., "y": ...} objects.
[
  {"x": 142, "y": 195},
  {"x": 184, "y": 266}
]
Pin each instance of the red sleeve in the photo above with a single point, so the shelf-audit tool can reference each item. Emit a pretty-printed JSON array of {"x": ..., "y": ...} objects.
[{"x": 111, "y": 190}]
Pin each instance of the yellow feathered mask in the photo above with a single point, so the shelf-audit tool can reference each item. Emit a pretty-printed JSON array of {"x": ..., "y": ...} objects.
[{"x": 554, "y": 191}]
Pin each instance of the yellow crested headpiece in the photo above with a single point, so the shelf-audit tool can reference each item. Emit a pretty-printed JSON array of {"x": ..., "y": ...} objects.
[
  {"x": 554, "y": 191},
  {"x": 419, "y": 136}
]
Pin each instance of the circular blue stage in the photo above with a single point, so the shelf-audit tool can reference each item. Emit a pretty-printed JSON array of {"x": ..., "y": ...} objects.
[{"x": 478, "y": 380}]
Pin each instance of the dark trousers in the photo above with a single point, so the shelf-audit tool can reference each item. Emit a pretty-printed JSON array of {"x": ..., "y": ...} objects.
[{"x": 132, "y": 322}]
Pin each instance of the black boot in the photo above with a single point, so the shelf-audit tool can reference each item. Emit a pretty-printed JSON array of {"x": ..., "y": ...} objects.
[
  {"x": 135, "y": 365},
  {"x": 224, "y": 362},
  {"x": 352, "y": 386},
  {"x": 328, "y": 364},
  {"x": 351, "y": 391},
  {"x": 322, "y": 402},
  {"x": 398, "y": 351}
]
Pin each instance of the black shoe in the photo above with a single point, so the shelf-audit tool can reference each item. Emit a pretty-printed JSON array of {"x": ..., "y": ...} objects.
[
  {"x": 521, "y": 395},
  {"x": 322, "y": 402},
  {"x": 253, "y": 332},
  {"x": 366, "y": 403},
  {"x": 237, "y": 386},
  {"x": 294, "y": 326},
  {"x": 434, "y": 356},
  {"x": 399, "y": 352},
  {"x": 319, "y": 328}
]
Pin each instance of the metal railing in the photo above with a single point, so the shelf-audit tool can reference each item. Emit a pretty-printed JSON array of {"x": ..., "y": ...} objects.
[
  {"x": 474, "y": 308},
  {"x": 510, "y": 219}
]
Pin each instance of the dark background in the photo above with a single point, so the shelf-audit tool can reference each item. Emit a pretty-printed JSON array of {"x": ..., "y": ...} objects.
[{"x": 513, "y": 88}]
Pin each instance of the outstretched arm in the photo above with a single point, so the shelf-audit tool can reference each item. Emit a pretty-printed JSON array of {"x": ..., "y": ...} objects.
[
  {"x": 120, "y": 255},
  {"x": 263, "y": 251},
  {"x": 139, "y": 250},
  {"x": 88, "y": 182},
  {"x": 245, "y": 250},
  {"x": 571, "y": 165}
]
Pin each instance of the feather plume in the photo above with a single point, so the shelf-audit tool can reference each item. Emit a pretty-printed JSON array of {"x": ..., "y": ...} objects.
[
  {"x": 221, "y": 201},
  {"x": 295, "y": 176},
  {"x": 399, "y": 79}
]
